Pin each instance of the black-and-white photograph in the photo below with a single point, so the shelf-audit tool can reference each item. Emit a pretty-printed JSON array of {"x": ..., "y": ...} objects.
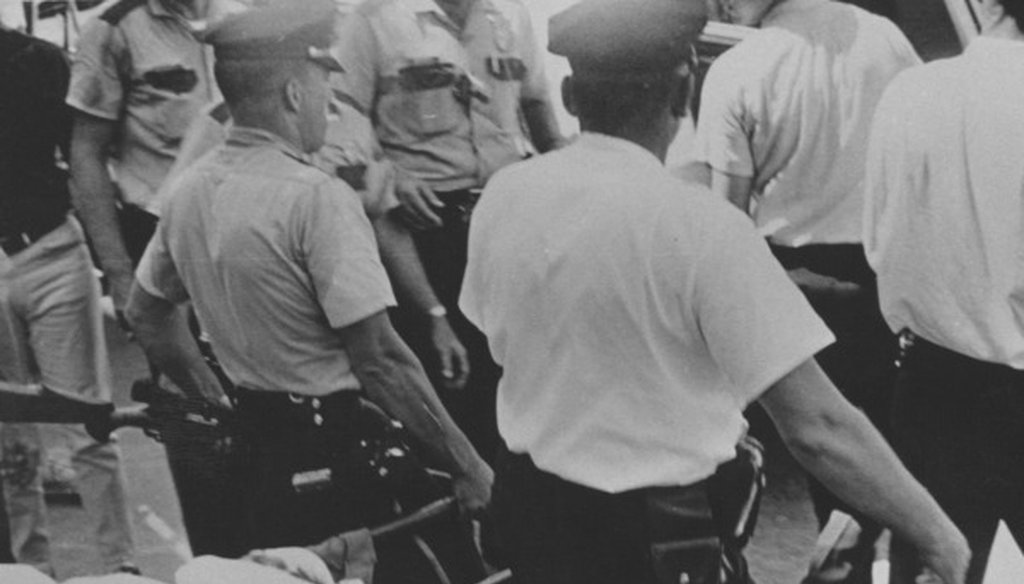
[{"x": 511, "y": 291}]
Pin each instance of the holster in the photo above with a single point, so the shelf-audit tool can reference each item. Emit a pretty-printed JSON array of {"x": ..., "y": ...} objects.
[{"x": 698, "y": 532}]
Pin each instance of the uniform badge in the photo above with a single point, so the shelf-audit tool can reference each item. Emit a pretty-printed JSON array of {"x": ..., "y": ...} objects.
[{"x": 504, "y": 36}]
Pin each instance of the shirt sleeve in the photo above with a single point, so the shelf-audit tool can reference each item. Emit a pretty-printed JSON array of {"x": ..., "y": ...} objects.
[
  {"x": 757, "y": 325},
  {"x": 886, "y": 151},
  {"x": 341, "y": 256},
  {"x": 357, "y": 51},
  {"x": 723, "y": 138},
  {"x": 157, "y": 273},
  {"x": 97, "y": 72}
]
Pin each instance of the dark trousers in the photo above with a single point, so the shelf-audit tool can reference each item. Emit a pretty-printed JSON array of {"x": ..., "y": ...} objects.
[
  {"x": 860, "y": 363},
  {"x": 556, "y": 532},
  {"x": 291, "y": 500},
  {"x": 6, "y": 555},
  {"x": 443, "y": 253},
  {"x": 206, "y": 472},
  {"x": 958, "y": 425}
]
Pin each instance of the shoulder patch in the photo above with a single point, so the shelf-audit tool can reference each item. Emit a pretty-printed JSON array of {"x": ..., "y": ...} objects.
[{"x": 119, "y": 10}]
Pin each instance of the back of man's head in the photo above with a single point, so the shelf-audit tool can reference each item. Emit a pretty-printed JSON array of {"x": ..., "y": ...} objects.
[{"x": 628, "y": 57}]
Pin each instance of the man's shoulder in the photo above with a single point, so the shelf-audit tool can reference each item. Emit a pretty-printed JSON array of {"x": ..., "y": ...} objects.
[
  {"x": 376, "y": 8},
  {"x": 756, "y": 56}
]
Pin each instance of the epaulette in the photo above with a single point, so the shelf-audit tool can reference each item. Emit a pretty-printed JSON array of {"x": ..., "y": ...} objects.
[{"x": 119, "y": 10}]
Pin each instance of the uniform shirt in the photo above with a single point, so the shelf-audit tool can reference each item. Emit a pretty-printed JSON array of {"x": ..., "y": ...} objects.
[
  {"x": 944, "y": 229},
  {"x": 349, "y": 146},
  {"x": 426, "y": 127},
  {"x": 635, "y": 316},
  {"x": 139, "y": 64},
  {"x": 791, "y": 107},
  {"x": 34, "y": 123},
  {"x": 275, "y": 255}
]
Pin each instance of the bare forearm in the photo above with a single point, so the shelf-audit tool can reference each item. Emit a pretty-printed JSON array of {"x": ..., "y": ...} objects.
[
  {"x": 402, "y": 262},
  {"x": 94, "y": 197},
  {"x": 169, "y": 346},
  {"x": 397, "y": 383},
  {"x": 857, "y": 465},
  {"x": 837, "y": 444}
]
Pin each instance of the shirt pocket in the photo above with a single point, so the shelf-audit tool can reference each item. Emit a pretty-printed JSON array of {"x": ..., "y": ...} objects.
[
  {"x": 427, "y": 101},
  {"x": 166, "y": 100}
]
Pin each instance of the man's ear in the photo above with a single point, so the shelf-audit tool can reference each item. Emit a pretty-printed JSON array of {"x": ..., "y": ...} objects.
[
  {"x": 682, "y": 93},
  {"x": 293, "y": 95},
  {"x": 569, "y": 97}
]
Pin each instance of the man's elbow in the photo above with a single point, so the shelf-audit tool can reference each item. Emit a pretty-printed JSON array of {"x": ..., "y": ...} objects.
[{"x": 819, "y": 437}]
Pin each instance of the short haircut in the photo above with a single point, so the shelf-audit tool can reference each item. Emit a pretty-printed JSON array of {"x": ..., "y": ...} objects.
[{"x": 610, "y": 104}]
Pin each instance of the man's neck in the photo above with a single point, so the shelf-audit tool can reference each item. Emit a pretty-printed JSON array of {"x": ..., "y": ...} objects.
[
  {"x": 190, "y": 9},
  {"x": 457, "y": 10},
  {"x": 651, "y": 137}
]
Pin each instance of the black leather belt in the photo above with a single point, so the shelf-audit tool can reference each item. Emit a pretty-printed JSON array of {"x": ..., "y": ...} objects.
[
  {"x": 458, "y": 205},
  {"x": 267, "y": 409},
  {"x": 13, "y": 243}
]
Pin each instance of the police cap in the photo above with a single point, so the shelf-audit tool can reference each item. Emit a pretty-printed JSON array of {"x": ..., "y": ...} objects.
[
  {"x": 626, "y": 39},
  {"x": 276, "y": 30}
]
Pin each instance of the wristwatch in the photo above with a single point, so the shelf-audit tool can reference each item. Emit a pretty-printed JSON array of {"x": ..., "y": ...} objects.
[{"x": 437, "y": 311}]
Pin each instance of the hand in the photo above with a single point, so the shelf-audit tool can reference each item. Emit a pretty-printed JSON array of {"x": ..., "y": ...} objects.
[
  {"x": 451, "y": 355},
  {"x": 418, "y": 202},
  {"x": 120, "y": 286},
  {"x": 473, "y": 489},
  {"x": 301, "y": 563},
  {"x": 817, "y": 286},
  {"x": 947, "y": 562}
]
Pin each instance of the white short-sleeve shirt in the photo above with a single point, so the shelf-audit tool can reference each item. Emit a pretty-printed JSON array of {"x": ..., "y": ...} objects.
[
  {"x": 944, "y": 225},
  {"x": 275, "y": 254},
  {"x": 635, "y": 316},
  {"x": 791, "y": 106}
]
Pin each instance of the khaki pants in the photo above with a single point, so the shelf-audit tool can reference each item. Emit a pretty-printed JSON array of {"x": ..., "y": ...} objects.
[{"x": 51, "y": 334}]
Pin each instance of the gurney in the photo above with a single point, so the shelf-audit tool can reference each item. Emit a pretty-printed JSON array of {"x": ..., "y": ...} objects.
[{"x": 334, "y": 560}]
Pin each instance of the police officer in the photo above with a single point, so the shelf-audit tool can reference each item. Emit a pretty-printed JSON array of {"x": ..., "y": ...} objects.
[
  {"x": 457, "y": 90},
  {"x": 279, "y": 260},
  {"x": 635, "y": 316},
  {"x": 139, "y": 76}
]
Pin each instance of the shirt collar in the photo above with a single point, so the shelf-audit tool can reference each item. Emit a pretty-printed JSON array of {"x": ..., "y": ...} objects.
[
  {"x": 432, "y": 7},
  {"x": 253, "y": 137},
  {"x": 788, "y": 7},
  {"x": 606, "y": 143}
]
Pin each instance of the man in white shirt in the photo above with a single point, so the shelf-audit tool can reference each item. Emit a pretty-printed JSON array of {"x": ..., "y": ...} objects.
[
  {"x": 635, "y": 317},
  {"x": 944, "y": 229},
  {"x": 784, "y": 129}
]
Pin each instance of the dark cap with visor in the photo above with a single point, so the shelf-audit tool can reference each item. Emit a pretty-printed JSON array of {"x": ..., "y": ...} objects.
[
  {"x": 277, "y": 30},
  {"x": 627, "y": 39}
]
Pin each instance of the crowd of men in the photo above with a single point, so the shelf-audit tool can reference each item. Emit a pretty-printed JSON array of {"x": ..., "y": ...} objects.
[{"x": 358, "y": 205}]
